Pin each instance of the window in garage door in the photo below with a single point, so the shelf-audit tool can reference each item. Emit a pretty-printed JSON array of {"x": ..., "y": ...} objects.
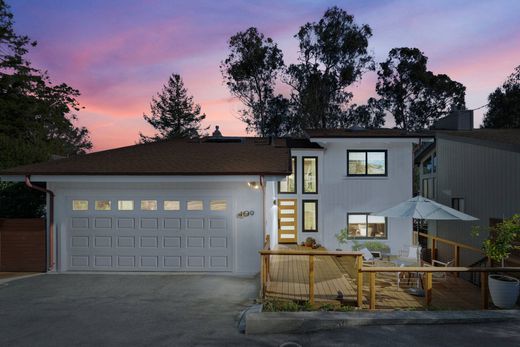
[
  {"x": 125, "y": 205},
  {"x": 172, "y": 205},
  {"x": 195, "y": 205},
  {"x": 218, "y": 205},
  {"x": 149, "y": 205}
]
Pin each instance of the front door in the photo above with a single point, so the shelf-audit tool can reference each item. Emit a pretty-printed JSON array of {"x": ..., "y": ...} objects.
[{"x": 287, "y": 217}]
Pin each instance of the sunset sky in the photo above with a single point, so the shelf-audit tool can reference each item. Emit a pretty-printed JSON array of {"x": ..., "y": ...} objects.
[{"x": 120, "y": 53}]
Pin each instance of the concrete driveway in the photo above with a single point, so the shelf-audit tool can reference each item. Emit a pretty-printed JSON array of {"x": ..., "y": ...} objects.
[{"x": 182, "y": 310}]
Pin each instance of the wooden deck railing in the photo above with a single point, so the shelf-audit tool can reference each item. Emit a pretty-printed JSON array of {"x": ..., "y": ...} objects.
[
  {"x": 428, "y": 285},
  {"x": 457, "y": 246},
  {"x": 265, "y": 261}
]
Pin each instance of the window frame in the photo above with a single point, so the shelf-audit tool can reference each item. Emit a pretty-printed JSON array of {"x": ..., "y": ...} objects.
[
  {"x": 366, "y": 151},
  {"x": 303, "y": 174},
  {"x": 458, "y": 200},
  {"x": 316, "y": 203},
  {"x": 366, "y": 237},
  {"x": 295, "y": 158}
]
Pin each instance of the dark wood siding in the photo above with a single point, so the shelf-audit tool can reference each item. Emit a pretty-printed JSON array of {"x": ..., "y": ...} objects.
[{"x": 22, "y": 245}]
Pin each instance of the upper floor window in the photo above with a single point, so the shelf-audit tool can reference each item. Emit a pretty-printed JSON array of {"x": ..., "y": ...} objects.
[
  {"x": 366, "y": 163},
  {"x": 288, "y": 184},
  {"x": 310, "y": 175},
  {"x": 429, "y": 165}
]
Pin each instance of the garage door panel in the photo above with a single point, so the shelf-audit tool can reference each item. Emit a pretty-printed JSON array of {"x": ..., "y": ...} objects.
[
  {"x": 102, "y": 241},
  {"x": 102, "y": 223},
  {"x": 150, "y": 240},
  {"x": 126, "y": 223},
  {"x": 149, "y": 223}
]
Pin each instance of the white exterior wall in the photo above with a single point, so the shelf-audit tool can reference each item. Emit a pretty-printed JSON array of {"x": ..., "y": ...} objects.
[
  {"x": 247, "y": 231},
  {"x": 339, "y": 194}
]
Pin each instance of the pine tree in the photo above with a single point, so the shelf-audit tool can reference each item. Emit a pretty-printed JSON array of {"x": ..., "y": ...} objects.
[{"x": 174, "y": 114}]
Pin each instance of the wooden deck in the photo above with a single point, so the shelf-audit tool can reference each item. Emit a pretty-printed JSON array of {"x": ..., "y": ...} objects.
[{"x": 289, "y": 279}]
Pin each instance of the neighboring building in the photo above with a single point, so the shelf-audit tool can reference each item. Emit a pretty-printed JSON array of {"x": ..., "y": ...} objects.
[
  {"x": 206, "y": 205},
  {"x": 475, "y": 171}
]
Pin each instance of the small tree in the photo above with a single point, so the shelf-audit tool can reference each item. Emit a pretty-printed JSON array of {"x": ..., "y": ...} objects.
[
  {"x": 173, "y": 113},
  {"x": 499, "y": 245},
  {"x": 504, "y": 104}
]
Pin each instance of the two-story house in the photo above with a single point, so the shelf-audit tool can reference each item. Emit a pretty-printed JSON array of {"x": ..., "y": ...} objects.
[{"x": 207, "y": 204}]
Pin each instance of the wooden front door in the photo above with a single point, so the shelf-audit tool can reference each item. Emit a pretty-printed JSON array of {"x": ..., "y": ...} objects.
[{"x": 287, "y": 217}]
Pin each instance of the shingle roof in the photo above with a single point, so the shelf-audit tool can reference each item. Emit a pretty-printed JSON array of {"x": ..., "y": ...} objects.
[
  {"x": 242, "y": 156},
  {"x": 508, "y": 139},
  {"x": 356, "y": 133}
]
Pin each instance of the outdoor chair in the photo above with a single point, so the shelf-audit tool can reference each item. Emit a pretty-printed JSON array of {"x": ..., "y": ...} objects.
[
  {"x": 368, "y": 257},
  {"x": 410, "y": 255},
  {"x": 439, "y": 275}
]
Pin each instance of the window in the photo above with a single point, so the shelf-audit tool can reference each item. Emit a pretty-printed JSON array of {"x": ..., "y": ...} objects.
[
  {"x": 103, "y": 205},
  {"x": 148, "y": 205},
  {"x": 428, "y": 188},
  {"x": 434, "y": 162},
  {"x": 310, "y": 175},
  {"x": 172, "y": 205},
  {"x": 457, "y": 204},
  {"x": 125, "y": 205},
  {"x": 218, "y": 205},
  {"x": 288, "y": 184},
  {"x": 429, "y": 165},
  {"x": 366, "y": 163},
  {"x": 365, "y": 226},
  {"x": 80, "y": 205},
  {"x": 195, "y": 205},
  {"x": 310, "y": 215}
]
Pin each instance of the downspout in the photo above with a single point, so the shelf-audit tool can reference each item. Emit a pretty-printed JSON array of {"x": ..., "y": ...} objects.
[
  {"x": 262, "y": 184},
  {"x": 29, "y": 184}
]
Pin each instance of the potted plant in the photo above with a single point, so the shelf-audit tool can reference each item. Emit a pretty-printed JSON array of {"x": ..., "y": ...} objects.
[
  {"x": 310, "y": 241},
  {"x": 503, "y": 289}
]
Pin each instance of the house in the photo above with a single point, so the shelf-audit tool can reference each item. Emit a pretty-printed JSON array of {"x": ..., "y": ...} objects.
[
  {"x": 207, "y": 204},
  {"x": 476, "y": 171}
]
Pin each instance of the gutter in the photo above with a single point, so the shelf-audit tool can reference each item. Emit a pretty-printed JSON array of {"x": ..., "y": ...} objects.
[{"x": 50, "y": 260}]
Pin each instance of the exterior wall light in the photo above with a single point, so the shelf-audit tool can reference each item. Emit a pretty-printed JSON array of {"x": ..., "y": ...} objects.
[{"x": 254, "y": 185}]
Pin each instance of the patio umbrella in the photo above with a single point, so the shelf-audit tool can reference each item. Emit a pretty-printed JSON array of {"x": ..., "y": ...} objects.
[{"x": 422, "y": 208}]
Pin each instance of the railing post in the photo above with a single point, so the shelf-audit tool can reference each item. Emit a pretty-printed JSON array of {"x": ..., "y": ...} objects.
[
  {"x": 434, "y": 247},
  {"x": 484, "y": 293},
  {"x": 359, "y": 263},
  {"x": 372, "y": 291},
  {"x": 311, "y": 279},
  {"x": 263, "y": 277},
  {"x": 456, "y": 258},
  {"x": 428, "y": 289}
]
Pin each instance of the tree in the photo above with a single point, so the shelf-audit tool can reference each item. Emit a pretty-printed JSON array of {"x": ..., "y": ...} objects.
[
  {"x": 504, "y": 104},
  {"x": 368, "y": 116},
  {"x": 250, "y": 73},
  {"x": 36, "y": 118},
  {"x": 415, "y": 96},
  {"x": 333, "y": 55},
  {"x": 174, "y": 114}
]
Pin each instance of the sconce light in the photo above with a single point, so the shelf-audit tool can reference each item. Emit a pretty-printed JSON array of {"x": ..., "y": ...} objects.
[{"x": 254, "y": 185}]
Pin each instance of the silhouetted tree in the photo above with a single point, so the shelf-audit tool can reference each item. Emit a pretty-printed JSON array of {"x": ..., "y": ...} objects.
[
  {"x": 173, "y": 113},
  {"x": 332, "y": 56},
  {"x": 369, "y": 116},
  {"x": 36, "y": 118},
  {"x": 504, "y": 104},
  {"x": 250, "y": 73},
  {"x": 415, "y": 96}
]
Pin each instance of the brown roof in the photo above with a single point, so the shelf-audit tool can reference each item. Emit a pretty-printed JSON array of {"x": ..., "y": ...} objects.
[
  {"x": 508, "y": 139},
  {"x": 360, "y": 132},
  {"x": 237, "y": 156}
]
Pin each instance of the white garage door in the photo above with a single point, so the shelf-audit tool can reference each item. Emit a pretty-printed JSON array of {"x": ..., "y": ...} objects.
[{"x": 191, "y": 234}]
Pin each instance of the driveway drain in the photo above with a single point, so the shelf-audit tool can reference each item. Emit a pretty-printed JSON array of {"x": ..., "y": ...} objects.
[{"x": 290, "y": 344}]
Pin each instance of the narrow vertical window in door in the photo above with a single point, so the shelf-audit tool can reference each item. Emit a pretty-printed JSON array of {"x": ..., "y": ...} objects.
[{"x": 287, "y": 217}]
